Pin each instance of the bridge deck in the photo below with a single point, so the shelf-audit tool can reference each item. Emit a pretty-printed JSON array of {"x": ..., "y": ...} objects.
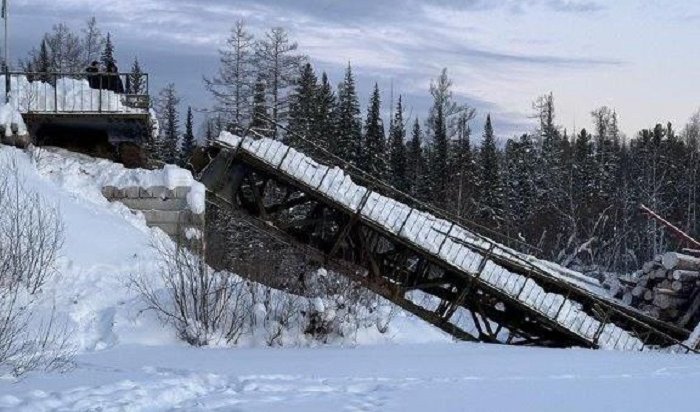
[{"x": 469, "y": 271}]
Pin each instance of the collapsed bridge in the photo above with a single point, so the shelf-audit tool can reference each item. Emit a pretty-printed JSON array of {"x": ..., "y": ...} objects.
[{"x": 425, "y": 261}]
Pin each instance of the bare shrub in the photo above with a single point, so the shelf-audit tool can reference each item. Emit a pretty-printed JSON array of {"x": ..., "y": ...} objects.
[
  {"x": 201, "y": 305},
  {"x": 342, "y": 307},
  {"x": 31, "y": 236},
  {"x": 274, "y": 312}
]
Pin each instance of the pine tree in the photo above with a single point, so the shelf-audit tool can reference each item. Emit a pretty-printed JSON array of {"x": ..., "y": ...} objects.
[
  {"x": 108, "y": 52},
  {"x": 209, "y": 132},
  {"x": 520, "y": 188},
  {"x": 348, "y": 124},
  {"x": 303, "y": 109},
  {"x": 490, "y": 181},
  {"x": 416, "y": 170},
  {"x": 397, "y": 150},
  {"x": 463, "y": 184},
  {"x": 137, "y": 80},
  {"x": 188, "y": 140},
  {"x": 43, "y": 63},
  {"x": 439, "y": 170},
  {"x": 323, "y": 125},
  {"x": 374, "y": 156},
  {"x": 168, "y": 146}
]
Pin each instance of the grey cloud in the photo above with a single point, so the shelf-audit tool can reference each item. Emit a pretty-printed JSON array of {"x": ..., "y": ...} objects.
[{"x": 571, "y": 6}]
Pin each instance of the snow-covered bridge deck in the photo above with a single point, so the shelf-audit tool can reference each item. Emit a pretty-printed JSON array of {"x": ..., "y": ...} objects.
[{"x": 418, "y": 257}]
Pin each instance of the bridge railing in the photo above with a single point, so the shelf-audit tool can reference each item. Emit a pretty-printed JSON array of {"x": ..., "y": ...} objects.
[{"x": 71, "y": 92}]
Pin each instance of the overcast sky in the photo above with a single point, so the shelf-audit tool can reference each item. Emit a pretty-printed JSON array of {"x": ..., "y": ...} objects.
[{"x": 637, "y": 56}]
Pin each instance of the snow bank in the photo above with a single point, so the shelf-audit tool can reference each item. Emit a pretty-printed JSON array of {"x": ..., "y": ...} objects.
[
  {"x": 106, "y": 245},
  {"x": 9, "y": 118},
  {"x": 456, "y": 245}
]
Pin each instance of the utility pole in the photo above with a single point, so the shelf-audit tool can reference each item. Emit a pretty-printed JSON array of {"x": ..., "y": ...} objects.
[{"x": 6, "y": 53}]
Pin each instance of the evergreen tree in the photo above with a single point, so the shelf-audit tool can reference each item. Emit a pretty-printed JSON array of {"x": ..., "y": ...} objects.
[
  {"x": 303, "y": 109},
  {"x": 397, "y": 150},
  {"x": 490, "y": 181},
  {"x": 209, "y": 132},
  {"x": 43, "y": 63},
  {"x": 462, "y": 187},
  {"x": 416, "y": 171},
  {"x": 188, "y": 140},
  {"x": 323, "y": 125},
  {"x": 520, "y": 188},
  {"x": 348, "y": 124},
  {"x": 439, "y": 170},
  {"x": 137, "y": 80},
  {"x": 108, "y": 52},
  {"x": 168, "y": 146},
  {"x": 374, "y": 156}
]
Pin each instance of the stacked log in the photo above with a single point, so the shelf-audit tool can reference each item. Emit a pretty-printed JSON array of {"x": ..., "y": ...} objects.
[{"x": 667, "y": 288}]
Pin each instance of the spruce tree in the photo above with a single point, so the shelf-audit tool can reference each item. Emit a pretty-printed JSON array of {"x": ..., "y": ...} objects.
[
  {"x": 188, "y": 140},
  {"x": 463, "y": 183},
  {"x": 108, "y": 52},
  {"x": 348, "y": 124},
  {"x": 490, "y": 181},
  {"x": 397, "y": 150},
  {"x": 209, "y": 132},
  {"x": 168, "y": 147},
  {"x": 374, "y": 156},
  {"x": 439, "y": 170},
  {"x": 137, "y": 81},
  {"x": 303, "y": 109},
  {"x": 416, "y": 170},
  {"x": 43, "y": 63},
  {"x": 323, "y": 125}
]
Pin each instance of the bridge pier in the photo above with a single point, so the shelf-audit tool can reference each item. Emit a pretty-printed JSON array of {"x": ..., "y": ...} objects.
[{"x": 164, "y": 208}]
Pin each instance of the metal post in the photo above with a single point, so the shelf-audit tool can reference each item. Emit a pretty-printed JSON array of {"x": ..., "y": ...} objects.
[
  {"x": 55, "y": 92},
  {"x": 6, "y": 18}
]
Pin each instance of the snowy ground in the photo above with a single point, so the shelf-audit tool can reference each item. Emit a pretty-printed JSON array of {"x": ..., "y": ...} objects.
[{"x": 428, "y": 377}]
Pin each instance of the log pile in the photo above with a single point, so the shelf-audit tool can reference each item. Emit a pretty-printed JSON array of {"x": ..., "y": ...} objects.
[{"x": 667, "y": 288}]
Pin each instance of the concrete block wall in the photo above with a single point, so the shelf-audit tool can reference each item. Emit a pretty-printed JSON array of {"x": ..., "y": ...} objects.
[{"x": 162, "y": 207}]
